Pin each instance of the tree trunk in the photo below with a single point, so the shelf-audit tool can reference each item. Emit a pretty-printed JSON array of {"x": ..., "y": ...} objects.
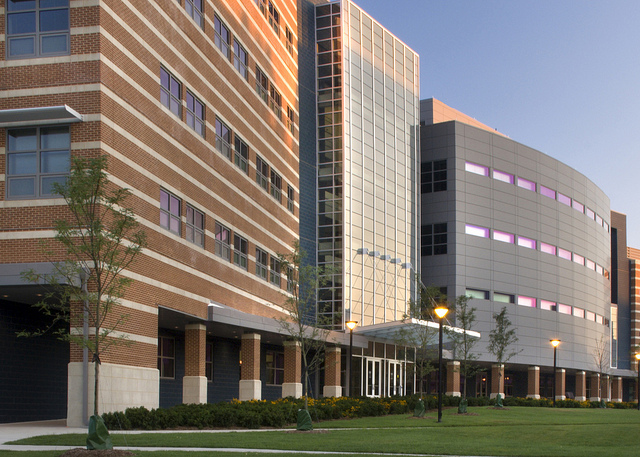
[{"x": 95, "y": 387}]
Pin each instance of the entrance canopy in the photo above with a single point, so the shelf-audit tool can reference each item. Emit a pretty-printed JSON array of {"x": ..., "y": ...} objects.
[{"x": 403, "y": 330}]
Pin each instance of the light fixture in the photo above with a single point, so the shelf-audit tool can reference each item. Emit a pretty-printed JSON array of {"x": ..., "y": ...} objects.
[
  {"x": 441, "y": 311},
  {"x": 555, "y": 343},
  {"x": 638, "y": 359},
  {"x": 350, "y": 325}
]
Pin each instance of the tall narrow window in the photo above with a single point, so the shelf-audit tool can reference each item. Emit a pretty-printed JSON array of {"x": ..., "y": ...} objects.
[
  {"x": 170, "y": 92},
  {"x": 276, "y": 186},
  {"x": 194, "y": 9},
  {"x": 274, "y": 18},
  {"x": 289, "y": 40},
  {"x": 275, "y": 102},
  {"x": 291, "y": 280},
  {"x": 195, "y": 114},
  {"x": 166, "y": 357},
  {"x": 37, "y": 28},
  {"x": 223, "y": 138},
  {"x": 223, "y": 246},
  {"x": 208, "y": 362},
  {"x": 261, "y": 263},
  {"x": 290, "y": 199},
  {"x": 262, "y": 85},
  {"x": 240, "y": 59},
  {"x": 262, "y": 4},
  {"x": 195, "y": 226},
  {"x": 36, "y": 159},
  {"x": 434, "y": 239},
  {"x": 241, "y": 155},
  {"x": 274, "y": 273},
  {"x": 275, "y": 367},
  {"x": 170, "y": 212},
  {"x": 240, "y": 251},
  {"x": 222, "y": 37},
  {"x": 290, "y": 123},
  {"x": 262, "y": 173}
]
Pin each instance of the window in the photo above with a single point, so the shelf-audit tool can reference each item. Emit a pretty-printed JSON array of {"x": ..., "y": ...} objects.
[
  {"x": 275, "y": 102},
  {"x": 36, "y": 159},
  {"x": 274, "y": 18},
  {"x": 564, "y": 254},
  {"x": 274, "y": 274},
  {"x": 599, "y": 220},
  {"x": 564, "y": 309},
  {"x": 290, "y": 123},
  {"x": 223, "y": 138},
  {"x": 170, "y": 212},
  {"x": 577, "y": 206},
  {"x": 578, "y": 258},
  {"x": 547, "y": 192},
  {"x": 526, "y": 184},
  {"x": 289, "y": 40},
  {"x": 591, "y": 265},
  {"x": 547, "y": 248},
  {"x": 223, "y": 246},
  {"x": 170, "y": 92},
  {"x": 195, "y": 226},
  {"x": 262, "y": 4},
  {"x": 240, "y": 251},
  {"x": 547, "y": 305},
  {"x": 434, "y": 239},
  {"x": 195, "y": 113},
  {"x": 241, "y": 154},
  {"x": 526, "y": 242},
  {"x": 208, "y": 362},
  {"x": 290, "y": 199},
  {"x": 502, "y": 176},
  {"x": 194, "y": 9},
  {"x": 167, "y": 357},
  {"x": 477, "y": 169},
  {"x": 478, "y": 294},
  {"x": 291, "y": 280},
  {"x": 262, "y": 171},
  {"x": 564, "y": 199},
  {"x": 275, "y": 367},
  {"x": 240, "y": 59},
  {"x": 262, "y": 85},
  {"x": 222, "y": 37},
  {"x": 578, "y": 312},
  {"x": 503, "y": 236},
  {"x": 261, "y": 263},
  {"x": 276, "y": 186},
  {"x": 590, "y": 214},
  {"x": 433, "y": 176},
  {"x": 526, "y": 301},
  {"x": 476, "y": 231},
  {"x": 590, "y": 316},
  {"x": 37, "y": 28},
  {"x": 504, "y": 298}
]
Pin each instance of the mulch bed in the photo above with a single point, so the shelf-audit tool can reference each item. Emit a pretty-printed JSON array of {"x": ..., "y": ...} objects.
[{"x": 80, "y": 452}]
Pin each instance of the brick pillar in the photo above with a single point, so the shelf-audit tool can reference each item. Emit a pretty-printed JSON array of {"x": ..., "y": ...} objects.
[
  {"x": 250, "y": 384},
  {"x": 606, "y": 388},
  {"x": 332, "y": 387},
  {"x": 616, "y": 389},
  {"x": 453, "y": 379},
  {"x": 581, "y": 386},
  {"x": 194, "y": 382},
  {"x": 595, "y": 387},
  {"x": 561, "y": 386},
  {"x": 533, "y": 384},
  {"x": 497, "y": 381},
  {"x": 292, "y": 387}
]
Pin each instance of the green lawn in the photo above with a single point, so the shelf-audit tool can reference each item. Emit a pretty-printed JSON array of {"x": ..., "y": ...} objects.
[{"x": 516, "y": 431}]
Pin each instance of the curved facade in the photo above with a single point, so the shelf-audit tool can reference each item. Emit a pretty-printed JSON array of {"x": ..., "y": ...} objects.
[{"x": 511, "y": 226}]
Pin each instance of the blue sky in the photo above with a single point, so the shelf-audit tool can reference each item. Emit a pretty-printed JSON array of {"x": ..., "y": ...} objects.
[{"x": 560, "y": 76}]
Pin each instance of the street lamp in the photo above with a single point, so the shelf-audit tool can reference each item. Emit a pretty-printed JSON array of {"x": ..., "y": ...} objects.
[
  {"x": 554, "y": 342},
  {"x": 350, "y": 325},
  {"x": 638, "y": 359},
  {"x": 440, "y": 311}
]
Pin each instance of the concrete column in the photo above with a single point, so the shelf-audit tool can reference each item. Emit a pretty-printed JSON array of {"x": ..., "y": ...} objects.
[
  {"x": 497, "y": 381},
  {"x": 292, "y": 387},
  {"x": 606, "y": 388},
  {"x": 194, "y": 382},
  {"x": 332, "y": 387},
  {"x": 453, "y": 379},
  {"x": 595, "y": 387},
  {"x": 250, "y": 384},
  {"x": 560, "y": 384},
  {"x": 616, "y": 389},
  {"x": 533, "y": 384},
  {"x": 581, "y": 386}
]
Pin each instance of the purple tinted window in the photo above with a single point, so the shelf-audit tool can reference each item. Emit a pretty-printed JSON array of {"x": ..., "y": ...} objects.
[
  {"x": 599, "y": 319},
  {"x": 578, "y": 259},
  {"x": 548, "y": 248},
  {"x": 578, "y": 206},
  {"x": 563, "y": 253},
  {"x": 590, "y": 214},
  {"x": 564, "y": 309},
  {"x": 477, "y": 169},
  {"x": 526, "y": 184},
  {"x": 591, "y": 265},
  {"x": 547, "y": 192},
  {"x": 502, "y": 176},
  {"x": 547, "y": 305},
  {"x": 526, "y": 301},
  {"x": 578, "y": 312},
  {"x": 526, "y": 242},
  {"x": 564, "y": 199},
  {"x": 590, "y": 316},
  {"x": 599, "y": 269},
  {"x": 476, "y": 231},
  {"x": 503, "y": 236},
  {"x": 598, "y": 220}
]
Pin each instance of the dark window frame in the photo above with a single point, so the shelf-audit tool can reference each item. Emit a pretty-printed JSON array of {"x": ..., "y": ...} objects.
[
  {"x": 194, "y": 228},
  {"x": 171, "y": 215}
]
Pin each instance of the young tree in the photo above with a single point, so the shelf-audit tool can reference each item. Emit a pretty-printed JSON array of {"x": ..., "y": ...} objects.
[
  {"x": 302, "y": 322},
  {"x": 97, "y": 241},
  {"x": 602, "y": 359},
  {"x": 422, "y": 337},
  {"x": 462, "y": 343},
  {"x": 501, "y": 338}
]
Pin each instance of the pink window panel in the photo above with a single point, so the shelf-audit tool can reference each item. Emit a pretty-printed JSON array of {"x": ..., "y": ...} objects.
[
  {"x": 590, "y": 214},
  {"x": 578, "y": 259},
  {"x": 599, "y": 319},
  {"x": 526, "y": 184},
  {"x": 526, "y": 242},
  {"x": 578, "y": 312},
  {"x": 599, "y": 220},
  {"x": 477, "y": 169},
  {"x": 563, "y": 253},
  {"x": 599, "y": 269},
  {"x": 502, "y": 176},
  {"x": 591, "y": 265},
  {"x": 547, "y": 192},
  {"x": 564, "y": 199},
  {"x": 548, "y": 248},
  {"x": 476, "y": 231},
  {"x": 503, "y": 236},
  {"x": 606, "y": 226},
  {"x": 526, "y": 301},
  {"x": 564, "y": 309},
  {"x": 547, "y": 305},
  {"x": 590, "y": 316},
  {"x": 577, "y": 206}
]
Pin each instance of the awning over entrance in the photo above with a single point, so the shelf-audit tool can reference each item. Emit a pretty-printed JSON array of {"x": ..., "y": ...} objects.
[
  {"x": 62, "y": 114},
  {"x": 401, "y": 330}
]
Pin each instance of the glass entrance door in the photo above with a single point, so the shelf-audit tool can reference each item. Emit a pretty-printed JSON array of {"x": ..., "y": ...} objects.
[
  {"x": 395, "y": 378},
  {"x": 374, "y": 378}
]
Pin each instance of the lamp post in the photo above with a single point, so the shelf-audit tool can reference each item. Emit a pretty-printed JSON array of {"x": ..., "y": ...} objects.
[
  {"x": 638, "y": 359},
  {"x": 350, "y": 325},
  {"x": 441, "y": 312},
  {"x": 554, "y": 342}
]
